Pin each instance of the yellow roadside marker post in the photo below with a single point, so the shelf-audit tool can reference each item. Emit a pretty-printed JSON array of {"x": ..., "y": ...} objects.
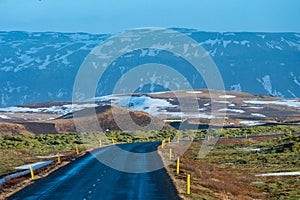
[
  {"x": 177, "y": 167},
  {"x": 58, "y": 158},
  {"x": 188, "y": 185},
  {"x": 169, "y": 140},
  {"x": 77, "y": 150},
  {"x": 31, "y": 172},
  {"x": 100, "y": 143},
  {"x": 163, "y": 143},
  {"x": 113, "y": 141},
  {"x": 170, "y": 154}
]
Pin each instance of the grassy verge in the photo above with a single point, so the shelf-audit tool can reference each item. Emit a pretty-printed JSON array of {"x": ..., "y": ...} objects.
[
  {"x": 228, "y": 171},
  {"x": 16, "y": 150}
]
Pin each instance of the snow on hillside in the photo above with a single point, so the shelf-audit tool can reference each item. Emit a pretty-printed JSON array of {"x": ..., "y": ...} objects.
[{"x": 258, "y": 63}]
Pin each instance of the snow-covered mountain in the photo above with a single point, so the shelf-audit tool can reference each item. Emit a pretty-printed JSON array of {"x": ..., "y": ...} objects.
[{"x": 41, "y": 67}]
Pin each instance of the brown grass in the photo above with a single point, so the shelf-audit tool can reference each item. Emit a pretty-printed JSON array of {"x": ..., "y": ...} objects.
[{"x": 209, "y": 180}]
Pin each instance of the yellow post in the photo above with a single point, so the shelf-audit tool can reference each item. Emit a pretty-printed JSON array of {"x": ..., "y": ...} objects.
[
  {"x": 77, "y": 150},
  {"x": 31, "y": 172},
  {"x": 178, "y": 163},
  {"x": 58, "y": 158},
  {"x": 170, "y": 154},
  {"x": 169, "y": 140},
  {"x": 188, "y": 185},
  {"x": 163, "y": 144},
  {"x": 113, "y": 141},
  {"x": 100, "y": 143},
  {"x": 227, "y": 136},
  {"x": 178, "y": 139},
  {"x": 208, "y": 137}
]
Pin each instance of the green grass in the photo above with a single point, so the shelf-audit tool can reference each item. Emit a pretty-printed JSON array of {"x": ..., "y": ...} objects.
[
  {"x": 253, "y": 130},
  {"x": 16, "y": 150},
  {"x": 281, "y": 155}
]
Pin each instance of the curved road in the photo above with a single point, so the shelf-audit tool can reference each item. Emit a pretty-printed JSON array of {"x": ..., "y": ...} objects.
[{"x": 87, "y": 178}]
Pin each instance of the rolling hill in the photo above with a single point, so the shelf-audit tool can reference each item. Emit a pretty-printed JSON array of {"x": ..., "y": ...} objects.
[{"x": 115, "y": 112}]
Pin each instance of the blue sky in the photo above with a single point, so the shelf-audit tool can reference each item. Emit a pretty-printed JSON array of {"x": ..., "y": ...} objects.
[{"x": 110, "y": 16}]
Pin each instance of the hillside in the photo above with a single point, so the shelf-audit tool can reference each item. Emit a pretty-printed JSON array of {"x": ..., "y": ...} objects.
[
  {"x": 257, "y": 63},
  {"x": 106, "y": 116},
  {"x": 196, "y": 109},
  {"x": 65, "y": 124}
]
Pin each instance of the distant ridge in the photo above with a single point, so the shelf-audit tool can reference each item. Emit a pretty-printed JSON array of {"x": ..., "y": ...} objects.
[{"x": 257, "y": 63}]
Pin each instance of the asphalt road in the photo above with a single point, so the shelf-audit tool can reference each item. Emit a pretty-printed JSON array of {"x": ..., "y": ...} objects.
[{"x": 87, "y": 178}]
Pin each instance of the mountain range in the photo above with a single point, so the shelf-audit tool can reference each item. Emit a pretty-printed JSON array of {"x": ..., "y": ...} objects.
[{"x": 41, "y": 67}]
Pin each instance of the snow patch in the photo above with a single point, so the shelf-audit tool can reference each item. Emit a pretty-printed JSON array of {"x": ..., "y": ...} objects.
[
  {"x": 291, "y": 93},
  {"x": 256, "y": 107},
  {"x": 51, "y": 156},
  {"x": 267, "y": 84},
  {"x": 290, "y": 103},
  {"x": 251, "y": 123},
  {"x": 61, "y": 110},
  {"x": 206, "y": 104},
  {"x": 280, "y": 174},
  {"x": 226, "y": 43},
  {"x": 295, "y": 79},
  {"x": 35, "y": 165},
  {"x": 227, "y": 96},
  {"x": 231, "y": 110},
  {"x": 261, "y": 36},
  {"x": 258, "y": 115},
  {"x": 229, "y": 34},
  {"x": 211, "y": 42},
  {"x": 245, "y": 42},
  {"x": 4, "y": 117},
  {"x": 194, "y": 92},
  {"x": 250, "y": 149},
  {"x": 144, "y": 103},
  {"x": 190, "y": 115},
  {"x": 236, "y": 88}
]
